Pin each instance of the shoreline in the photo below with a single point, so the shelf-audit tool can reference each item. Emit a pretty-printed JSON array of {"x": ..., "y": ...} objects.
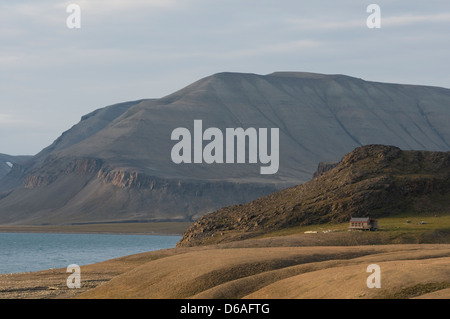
[
  {"x": 91, "y": 229},
  {"x": 155, "y": 228},
  {"x": 175, "y": 274}
]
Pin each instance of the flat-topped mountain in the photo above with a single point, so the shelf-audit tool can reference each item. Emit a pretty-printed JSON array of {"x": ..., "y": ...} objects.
[{"x": 115, "y": 164}]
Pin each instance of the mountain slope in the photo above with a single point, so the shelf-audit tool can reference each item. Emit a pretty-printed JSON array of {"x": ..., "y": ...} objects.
[
  {"x": 373, "y": 180},
  {"x": 89, "y": 125},
  {"x": 117, "y": 165},
  {"x": 7, "y": 162}
]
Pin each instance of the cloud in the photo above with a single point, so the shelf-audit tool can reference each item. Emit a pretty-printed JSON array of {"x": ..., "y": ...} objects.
[
  {"x": 9, "y": 120},
  {"x": 408, "y": 20},
  {"x": 108, "y": 7},
  {"x": 22, "y": 14},
  {"x": 267, "y": 49},
  {"x": 121, "y": 4},
  {"x": 327, "y": 24},
  {"x": 386, "y": 21}
]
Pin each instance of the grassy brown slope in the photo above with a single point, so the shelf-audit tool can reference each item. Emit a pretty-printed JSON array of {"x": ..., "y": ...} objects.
[
  {"x": 188, "y": 274},
  {"x": 52, "y": 283},
  {"x": 373, "y": 180},
  {"x": 258, "y": 268},
  {"x": 280, "y": 272},
  {"x": 349, "y": 281}
]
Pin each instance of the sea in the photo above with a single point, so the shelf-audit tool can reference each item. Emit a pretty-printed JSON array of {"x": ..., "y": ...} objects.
[{"x": 26, "y": 252}]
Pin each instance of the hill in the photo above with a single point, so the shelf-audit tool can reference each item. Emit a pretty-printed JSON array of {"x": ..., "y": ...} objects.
[
  {"x": 374, "y": 180},
  {"x": 115, "y": 165}
]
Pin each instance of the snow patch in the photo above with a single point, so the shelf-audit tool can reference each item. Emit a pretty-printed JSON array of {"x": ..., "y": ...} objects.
[{"x": 9, "y": 164}]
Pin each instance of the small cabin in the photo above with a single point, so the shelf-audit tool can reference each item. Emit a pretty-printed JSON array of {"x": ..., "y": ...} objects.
[{"x": 364, "y": 223}]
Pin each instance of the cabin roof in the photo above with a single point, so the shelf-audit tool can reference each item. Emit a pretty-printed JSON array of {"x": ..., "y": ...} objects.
[{"x": 359, "y": 219}]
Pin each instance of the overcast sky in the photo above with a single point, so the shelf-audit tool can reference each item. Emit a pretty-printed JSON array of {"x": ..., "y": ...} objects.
[{"x": 51, "y": 75}]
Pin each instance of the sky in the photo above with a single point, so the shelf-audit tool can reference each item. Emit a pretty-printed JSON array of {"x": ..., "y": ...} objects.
[{"x": 124, "y": 50}]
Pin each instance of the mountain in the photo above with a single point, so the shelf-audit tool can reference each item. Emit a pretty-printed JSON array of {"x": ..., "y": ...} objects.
[
  {"x": 116, "y": 165},
  {"x": 371, "y": 181},
  {"x": 8, "y": 161}
]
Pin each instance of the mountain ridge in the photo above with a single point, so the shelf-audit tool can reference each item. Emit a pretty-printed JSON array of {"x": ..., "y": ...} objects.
[{"x": 320, "y": 117}]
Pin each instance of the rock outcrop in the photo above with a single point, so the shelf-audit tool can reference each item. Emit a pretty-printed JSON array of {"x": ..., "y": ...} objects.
[
  {"x": 324, "y": 167},
  {"x": 373, "y": 180},
  {"x": 48, "y": 174}
]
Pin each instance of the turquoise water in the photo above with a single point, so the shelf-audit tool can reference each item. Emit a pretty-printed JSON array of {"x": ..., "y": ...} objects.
[{"x": 23, "y": 252}]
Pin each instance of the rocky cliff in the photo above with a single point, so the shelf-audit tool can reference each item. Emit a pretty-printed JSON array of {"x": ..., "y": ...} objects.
[
  {"x": 90, "y": 191},
  {"x": 54, "y": 169},
  {"x": 324, "y": 167}
]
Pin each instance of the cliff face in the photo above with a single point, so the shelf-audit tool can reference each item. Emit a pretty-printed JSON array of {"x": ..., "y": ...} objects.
[
  {"x": 373, "y": 181},
  {"x": 48, "y": 174},
  {"x": 132, "y": 180},
  {"x": 83, "y": 190}
]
